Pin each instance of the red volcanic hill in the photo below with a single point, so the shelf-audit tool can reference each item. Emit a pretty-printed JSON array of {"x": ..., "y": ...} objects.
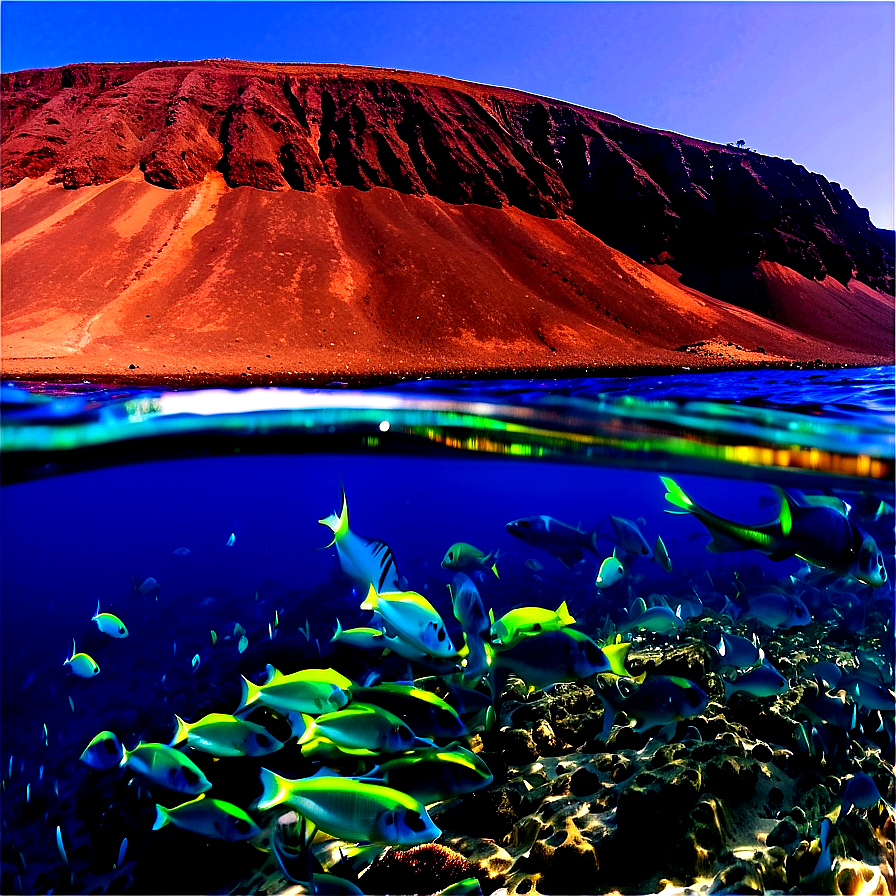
[{"x": 218, "y": 218}]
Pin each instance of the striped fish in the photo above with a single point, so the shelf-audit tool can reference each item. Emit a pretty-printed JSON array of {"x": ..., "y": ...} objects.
[{"x": 365, "y": 561}]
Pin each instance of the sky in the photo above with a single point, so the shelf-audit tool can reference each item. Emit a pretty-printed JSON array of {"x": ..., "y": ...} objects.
[{"x": 812, "y": 82}]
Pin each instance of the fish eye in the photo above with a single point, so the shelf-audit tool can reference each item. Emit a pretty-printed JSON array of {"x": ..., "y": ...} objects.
[
  {"x": 523, "y": 524},
  {"x": 241, "y": 825},
  {"x": 414, "y": 820},
  {"x": 96, "y": 670},
  {"x": 190, "y": 776},
  {"x": 441, "y": 634},
  {"x": 120, "y": 629},
  {"x": 109, "y": 747}
]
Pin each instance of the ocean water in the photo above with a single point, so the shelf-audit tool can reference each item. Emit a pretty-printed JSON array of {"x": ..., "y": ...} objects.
[{"x": 194, "y": 518}]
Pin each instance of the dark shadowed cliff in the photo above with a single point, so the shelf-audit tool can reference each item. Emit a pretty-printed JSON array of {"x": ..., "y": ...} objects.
[{"x": 478, "y": 168}]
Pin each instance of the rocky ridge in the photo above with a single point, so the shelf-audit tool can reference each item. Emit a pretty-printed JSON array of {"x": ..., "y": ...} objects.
[{"x": 711, "y": 212}]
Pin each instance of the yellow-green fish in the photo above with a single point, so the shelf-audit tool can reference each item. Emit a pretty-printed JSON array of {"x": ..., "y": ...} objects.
[
  {"x": 308, "y": 690},
  {"x": 427, "y": 714},
  {"x": 215, "y": 819},
  {"x": 109, "y": 624},
  {"x": 352, "y": 810},
  {"x": 104, "y": 751},
  {"x": 362, "y": 727},
  {"x": 411, "y": 617},
  {"x": 524, "y": 622},
  {"x": 463, "y": 557},
  {"x": 83, "y": 665},
  {"x": 364, "y": 637},
  {"x": 223, "y": 735},
  {"x": 166, "y": 767}
]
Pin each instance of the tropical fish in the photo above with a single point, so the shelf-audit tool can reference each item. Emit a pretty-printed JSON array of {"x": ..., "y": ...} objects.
[
  {"x": 109, "y": 624},
  {"x": 181, "y": 552},
  {"x": 525, "y": 622},
  {"x": 774, "y": 608},
  {"x": 352, "y": 810},
  {"x": 362, "y": 727},
  {"x": 104, "y": 751},
  {"x": 149, "y": 587},
  {"x": 547, "y": 658},
  {"x": 83, "y": 665},
  {"x": 659, "y": 701},
  {"x": 166, "y": 767},
  {"x": 628, "y": 536},
  {"x": 223, "y": 735},
  {"x": 411, "y": 617},
  {"x": 434, "y": 775},
  {"x": 859, "y": 791},
  {"x": 470, "y": 613},
  {"x": 215, "y": 819},
  {"x": 820, "y": 535},
  {"x": 737, "y": 653},
  {"x": 308, "y": 690},
  {"x": 867, "y": 694},
  {"x": 534, "y": 565},
  {"x": 658, "y": 619},
  {"x": 610, "y": 572},
  {"x": 426, "y": 713},
  {"x": 566, "y": 543},
  {"x": 464, "y": 557},
  {"x": 366, "y": 561},
  {"x": 364, "y": 637},
  {"x": 761, "y": 681},
  {"x": 661, "y": 555}
]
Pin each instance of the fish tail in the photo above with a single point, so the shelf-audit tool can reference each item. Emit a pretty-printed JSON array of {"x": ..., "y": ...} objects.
[
  {"x": 310, "y": 728},
  {"x": 181, "y": 734},
  {"x": 338, "y": 631},
  {"x": 338, "y": 524},
  {"x": 616, "y": 654},
  {"x": 162, "y": 817},
  {"x": 676, "y": 495},
  {"x": 564, "y": 616},
  {"x": 250, "y": 693},
  {"x": 274, "y": 792},
  {"x": 370, "y": 602}
]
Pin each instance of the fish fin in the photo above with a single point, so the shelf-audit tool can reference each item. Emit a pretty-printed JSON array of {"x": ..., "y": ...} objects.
[
  {"x": 181, "y": 734},
  {"x": 564, "y": 615},
  {"x": 338, "y": 631},
  {"x": 494, "y": 568},
  {"x": 273, "y": 792},
  {"x": 97, "y": 608},
  {"x": 272, "y": 673},
  {"x": 250, "y": 693},
  {"x": 161, "y": 817},
  {"x": 370, "y": 602},
  {"x": 310, "y": 728},
  {"x": 676, "y": 495},
  {"x": 338, "y": 524},
  {"x": 491, "y": 616},
  {"x": 785, "y": 516},
  {"x": 721, "y": 543}
]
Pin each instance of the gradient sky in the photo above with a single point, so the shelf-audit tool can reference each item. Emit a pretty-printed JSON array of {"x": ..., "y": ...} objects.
[{"x": 812, "y": 82}]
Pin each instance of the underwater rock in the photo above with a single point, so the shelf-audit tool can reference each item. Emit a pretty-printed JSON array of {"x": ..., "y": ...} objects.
[
  {"x": 490, "y": 813},
  {"x": 784, "y": 833},
  {"x": 583, "y": 782},
  {"x": 517, "y": 747},
  {"x": 420, "y": 869}
]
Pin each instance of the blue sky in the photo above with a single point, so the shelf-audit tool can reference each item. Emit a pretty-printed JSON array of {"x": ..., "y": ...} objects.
[{"x": 812, "y": 82}]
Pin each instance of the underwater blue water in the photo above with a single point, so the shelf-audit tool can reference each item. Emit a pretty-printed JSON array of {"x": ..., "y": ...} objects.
[{"x": 225, "y": 519}]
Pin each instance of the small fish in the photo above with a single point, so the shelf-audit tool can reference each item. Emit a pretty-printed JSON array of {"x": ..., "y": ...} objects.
[
  {"x": 434, "y": 775},
  {"x": 195, "y": 662},
  {"x": 464, "y": 557},
  {"x": 820, "y": 535},
  {"x": 427, "y": 714},
  {"x": 525, "y": 622},
  {"x": 867, "y": 694},
  {"x": 566, "y": 543},
  {"x": 60, "y": 846},
  {"x": 547, "y": 658},
  {"x": 366, "y": 561},
  {"x": 661, "y": 555},
  {"x": 307, "y": 691},
  {"x": 534, "y": 565},
  {"x": 658, "y": 619},
  {"x": 231, "y": 541},
  {"x": 628, "y": 536},
  {"x": 859, "y": 791},
  {"x": 81, "y": 664},
  {"x": 222, "y": 735},
  {"x": 214, "y": 636},
  {"x": 363, "y": 728},
  {"x": 411, "y": 617},
  {"x": 243, "y": 644},
  {"x": 470, "y": 613},
  {"x": 363, "y": 638},
  {"x": 737, "y": 653},
  {"x": 122, "y": 852},
  {"x": 181, "y": 552},
  {"x": 215, "y": 819},
  {"x": 270, "y": 632},
  {"x": 775, "y": 608},
  {"x": 762, "y": 681},
  {"x": 166, "y": 767},
  {"x": 148, "y": 588},
  {"x": 610, "y": 572},
  {"x": 658, "y": 702},
  {"x": 46, "y": 735},
  {"x": 352, "y": 810},
  {"x": 109, "y": 624}
]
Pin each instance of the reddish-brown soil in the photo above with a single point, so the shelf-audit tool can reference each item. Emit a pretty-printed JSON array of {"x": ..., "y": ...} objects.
[{"x": 145, "y": 239}]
